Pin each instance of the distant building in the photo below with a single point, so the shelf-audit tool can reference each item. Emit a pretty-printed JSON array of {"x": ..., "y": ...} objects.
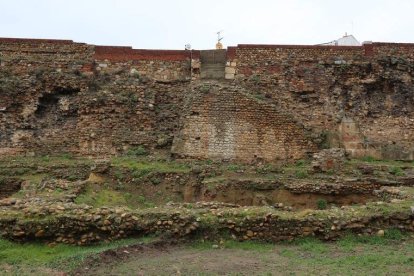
[{"x": 346, "y": 40}]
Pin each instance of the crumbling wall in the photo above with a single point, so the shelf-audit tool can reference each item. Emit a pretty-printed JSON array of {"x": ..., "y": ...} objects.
[
  {"x": 325, "y": 85},
  {"x": 40, "y": 84},
  {"x": 159, "y": 65},
  {"x": 116, "y": 117},
  {"x": 61, "y": 96}
]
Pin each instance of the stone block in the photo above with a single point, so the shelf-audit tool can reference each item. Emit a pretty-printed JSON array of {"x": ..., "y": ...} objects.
[
  {"x": 230, "y": 70},
  {"x": 328, "y": 159}
]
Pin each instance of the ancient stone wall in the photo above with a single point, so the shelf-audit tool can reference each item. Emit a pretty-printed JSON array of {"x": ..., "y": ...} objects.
[
  {"x": 226, "y": 123},
  {"x": 40, "y": 84},
  {"x": 61, "y": 96},
  {"x": 160, "y": 65},
  {"x": 327, "y": 85},
  {"x": 120, "y": 116}
]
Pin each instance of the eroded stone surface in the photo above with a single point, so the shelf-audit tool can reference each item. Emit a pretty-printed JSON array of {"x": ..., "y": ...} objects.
[{"x": 60, "y": 96}]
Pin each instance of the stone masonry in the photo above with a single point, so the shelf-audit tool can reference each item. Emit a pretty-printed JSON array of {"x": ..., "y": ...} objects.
[
  {"x": 226, "y": 123},
  {"x": 57, "y": 96}
]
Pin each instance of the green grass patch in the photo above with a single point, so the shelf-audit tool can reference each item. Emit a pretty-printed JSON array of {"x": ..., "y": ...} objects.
[
  {"x": 391, "y": 236},
  {"x": 301, "y": 163},
  {"x": 372, "y": 160},
  {"x": 142, "y": 201},
  {"x": 322, "y": 204},
  {"x": 368, "y": 159},
  {"x": 397, "y": 171},
  {"x": 46, "y": 160},
  {"x": 97, "y": 195},
  {"x": 138, "y": 173},
  {"x": 101, "y": 197},
  {"x": 234, "y": 167},
  {"x": 312, "y": 245},
  {"x": 61, "y": 256},
  {"x": 137, "y": 151},
  {"x": 301, "y": 174}
]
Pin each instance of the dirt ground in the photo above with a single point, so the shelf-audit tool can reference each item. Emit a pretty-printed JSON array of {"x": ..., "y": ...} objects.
[
  {"x": 305, "y": 259},
  {"x": 346, "y": 257}
]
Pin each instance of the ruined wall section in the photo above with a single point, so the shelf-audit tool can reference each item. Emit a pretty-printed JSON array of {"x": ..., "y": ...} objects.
[
  {"x": 370, "y": 87},
  {"x": 40, "y": 81},
  {"x": 58, "y": 96},
  {"x": 158, "y": 65},
  {"x": 61, "y": 96},
  {"x": 225, "y": 123},
  {"x": 135, "y": 100},
  {"x": 123, "y": 114}
]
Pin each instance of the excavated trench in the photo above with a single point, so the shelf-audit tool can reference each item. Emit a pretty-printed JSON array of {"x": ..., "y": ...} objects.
[
  {"x": 276, "y": 197},
  {"x": 158, "y": 189},
  {"x": 290, "y": 194}
]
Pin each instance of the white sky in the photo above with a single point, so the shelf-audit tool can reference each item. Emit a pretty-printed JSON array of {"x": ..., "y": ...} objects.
[{"x": 170, "y": 24}]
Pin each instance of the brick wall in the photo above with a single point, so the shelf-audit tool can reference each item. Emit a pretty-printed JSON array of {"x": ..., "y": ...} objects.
[
  {"x": 225, "y": 123},
  {"x": 161, "y": 65}
]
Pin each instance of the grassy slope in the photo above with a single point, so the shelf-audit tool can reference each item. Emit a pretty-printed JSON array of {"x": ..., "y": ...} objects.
[{"x": 39, "y": 258}]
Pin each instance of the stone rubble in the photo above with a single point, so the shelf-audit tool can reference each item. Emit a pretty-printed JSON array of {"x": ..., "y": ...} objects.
[{"x": 58, "y": 219}]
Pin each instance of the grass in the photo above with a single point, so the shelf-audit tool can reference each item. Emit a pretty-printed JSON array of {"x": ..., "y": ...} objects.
[
  {"x": 351, "y": 255},
  {"x": 355, "y": 254},
  {"x": 62, "y": 257},
  {"x": 46, "y": 160},
  {"x": 397, "y": 171},
  {"x": 142, "y": 201},
  {"x": 322, "y": 204},
  {"x": 301, "y": 174},
  {"x": 310, "y": 244},
  {"x": 156, "y": 166},
  {"x": 372, "y": 160},
  {"x": 137, "y": 151},
  {"x": 99, "y": 198},
  {"x": 298, "y": 170},
  {"x": 138, "y": 173},
  {"x": 234, "y": 167},
  {"x": 390, "y": 237},
  {"x": 301, "y": 163},
  {"x": 368, "y": 159}
]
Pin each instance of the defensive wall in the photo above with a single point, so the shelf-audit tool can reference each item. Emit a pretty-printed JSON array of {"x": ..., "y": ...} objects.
[{"x": 291, "y": 100}]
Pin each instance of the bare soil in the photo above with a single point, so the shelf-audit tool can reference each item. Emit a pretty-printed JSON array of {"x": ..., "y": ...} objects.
[{"x": 280, "y": 259}]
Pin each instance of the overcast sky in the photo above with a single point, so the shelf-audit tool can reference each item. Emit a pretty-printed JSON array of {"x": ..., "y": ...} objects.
[{"x": 170, "y": 24}]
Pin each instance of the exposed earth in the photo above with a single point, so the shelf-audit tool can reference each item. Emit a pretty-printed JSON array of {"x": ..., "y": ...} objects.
[{"x": 305, "y": 258}]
